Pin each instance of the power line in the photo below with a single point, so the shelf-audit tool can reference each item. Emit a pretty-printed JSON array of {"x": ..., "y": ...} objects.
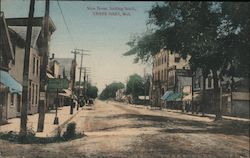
[{"x": 65, "y": 23}]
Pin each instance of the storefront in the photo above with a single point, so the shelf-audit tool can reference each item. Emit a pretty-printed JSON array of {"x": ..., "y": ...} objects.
[{"x": 10, "y": 96}]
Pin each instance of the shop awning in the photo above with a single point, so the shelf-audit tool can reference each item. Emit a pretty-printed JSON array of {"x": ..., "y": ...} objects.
[
  {"x": 187, "y": 97},
  {"x": 10, "y": 82},
  {"x": 67, "y": 93},
  {"x": 166, "y": 94},
  {"x": 175, "y": 97},
  {"x": 49, "y": 75}
]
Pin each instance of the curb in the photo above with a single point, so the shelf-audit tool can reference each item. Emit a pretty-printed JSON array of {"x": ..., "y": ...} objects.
[{"x": 61, "y": 126}]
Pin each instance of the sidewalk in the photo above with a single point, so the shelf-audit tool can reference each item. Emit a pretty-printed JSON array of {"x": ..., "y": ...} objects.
[
  {"x": 50, "y": 129},
  {"x": 189, "y": 113}
]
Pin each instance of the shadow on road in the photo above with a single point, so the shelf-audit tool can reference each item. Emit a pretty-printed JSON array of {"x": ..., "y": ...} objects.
[{"x": 177, "y": 125}]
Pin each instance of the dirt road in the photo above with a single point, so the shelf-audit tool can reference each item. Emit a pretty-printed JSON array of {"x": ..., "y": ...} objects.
[{"x": 119, "y": 130}]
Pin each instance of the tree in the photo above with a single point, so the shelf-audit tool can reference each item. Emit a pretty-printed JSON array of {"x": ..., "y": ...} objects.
[
  {"x": 210, "y": 32},
  {"x": 135, "y": 86},
  {"x": 91, "y": 91},
  {"x": 110, "y": 90}
]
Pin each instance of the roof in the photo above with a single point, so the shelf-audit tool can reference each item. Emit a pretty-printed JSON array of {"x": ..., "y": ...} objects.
[
  {"x": 22, "y": 31},
  {"x": 37, "y": 21},
  {"x": 66, "y": 64},
  {"x": 6, "y": 37}
]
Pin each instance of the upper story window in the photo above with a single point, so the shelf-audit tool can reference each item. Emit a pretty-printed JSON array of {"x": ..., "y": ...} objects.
[
  {"x": 177, "y": 59},
  {"x": 34, "y": 65},
  {"x": 37, "y": 67}
]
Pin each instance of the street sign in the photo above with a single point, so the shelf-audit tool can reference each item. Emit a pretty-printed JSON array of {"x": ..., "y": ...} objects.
[
  {"x": 42, "y": 95},
  {"x": 56, "y": 83}
]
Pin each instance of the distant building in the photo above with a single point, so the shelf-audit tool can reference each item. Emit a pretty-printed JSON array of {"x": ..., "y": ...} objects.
[
  {"x": 66, "y": 65},
  {"x": 119, "y": 94}
]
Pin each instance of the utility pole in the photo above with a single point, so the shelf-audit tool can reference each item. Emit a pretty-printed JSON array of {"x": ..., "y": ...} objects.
[
  {"x": 80, "y": 73},
  {"x": 85, "y": 77},
  {"x": 25, "y": 96},
  {"x": 73, "y": 70},
  {"x": 145, "y": 85},
  {"x": 43, "y": 76}
]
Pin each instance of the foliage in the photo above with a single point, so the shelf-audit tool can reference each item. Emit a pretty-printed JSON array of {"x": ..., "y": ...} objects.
[
  {"x": 92, "y": 91},
  {"x": 70, "y": 131},
  {"x": 214, "y": 34},
  {"x": 136, "y": 86},
  {"x": 110, "y": 90},
  {"x": 30, "y": 137}
]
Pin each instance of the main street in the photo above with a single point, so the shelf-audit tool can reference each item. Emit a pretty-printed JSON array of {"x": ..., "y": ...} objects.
[{"x": 120, "y": 130}]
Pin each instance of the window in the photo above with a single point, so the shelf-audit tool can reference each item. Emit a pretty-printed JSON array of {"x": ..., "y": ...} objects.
[
  {"x": 209, "y": 84},
  {"x": 37, "y": 67},
  {"x": 33, "y": 93},
  {"x": 165, "y": 58},
  {"x": 34, "y": 65},
  {"x": 177, "y": 59},
  {"x": 36, "y": 102},
  {"x": 162, "y": 75},
  {"x": 12, "y": 99}
]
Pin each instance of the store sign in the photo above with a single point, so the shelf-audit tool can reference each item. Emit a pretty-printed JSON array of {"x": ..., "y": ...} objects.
[{"x": 56, "y": 83}]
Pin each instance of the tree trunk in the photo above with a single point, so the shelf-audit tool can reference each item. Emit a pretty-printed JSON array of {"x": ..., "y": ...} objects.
[
  {"x": 203, "y": 105},
  {"x": 216, "y": 96}
]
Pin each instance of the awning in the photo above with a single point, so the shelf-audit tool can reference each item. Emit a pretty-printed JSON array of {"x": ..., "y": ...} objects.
[
  {"x": 187, "y": 97},
  {"x": 49, "y": 75},
  {"x": 166, "y": 94},
  {"x": 175, "y": 97},
  {"x": 67, "y": 93},
  {"x": 10, "y": 82}
]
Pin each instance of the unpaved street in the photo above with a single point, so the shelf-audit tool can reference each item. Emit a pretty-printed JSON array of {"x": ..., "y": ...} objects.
[{"x": 119, "y": 130}]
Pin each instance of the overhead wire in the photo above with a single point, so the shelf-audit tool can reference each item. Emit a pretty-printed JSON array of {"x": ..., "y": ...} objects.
[{"x": 65, "y": 23}]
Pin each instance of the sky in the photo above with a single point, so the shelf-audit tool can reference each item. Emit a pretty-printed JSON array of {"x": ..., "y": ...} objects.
[{"x": 102, "y": 27}]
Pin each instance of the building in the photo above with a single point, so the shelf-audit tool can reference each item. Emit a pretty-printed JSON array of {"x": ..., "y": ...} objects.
[
  {"x": 56, "y": 70},
  {"x": 234, "y": 97},
  {"x": 170, "y": 72},
  {"x": 10, "y": 88},
  {"x": 18, "y": 28},
  {"x": 66, "y": 65},
  {"x": 120, "y": 94}
]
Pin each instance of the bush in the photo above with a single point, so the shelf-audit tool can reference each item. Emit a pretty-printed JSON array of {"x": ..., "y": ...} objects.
[
  {"x": 70, "y": 131},
  {"x": 28, "y": 138}
]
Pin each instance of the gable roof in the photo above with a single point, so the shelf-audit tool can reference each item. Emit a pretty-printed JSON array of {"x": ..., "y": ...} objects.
[
  {"x": 5, "y": 37},
  {"x": 22, "y": 31},
  {"x": 37, "y": 21}
]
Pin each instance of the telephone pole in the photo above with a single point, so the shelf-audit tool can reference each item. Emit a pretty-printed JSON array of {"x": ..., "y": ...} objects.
[
  {"x": 43, "y": 77},
  {"x": 80, "y": 52},
  {"x": 25, "y": 96},
  {"x": 73, "y": 74}
]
